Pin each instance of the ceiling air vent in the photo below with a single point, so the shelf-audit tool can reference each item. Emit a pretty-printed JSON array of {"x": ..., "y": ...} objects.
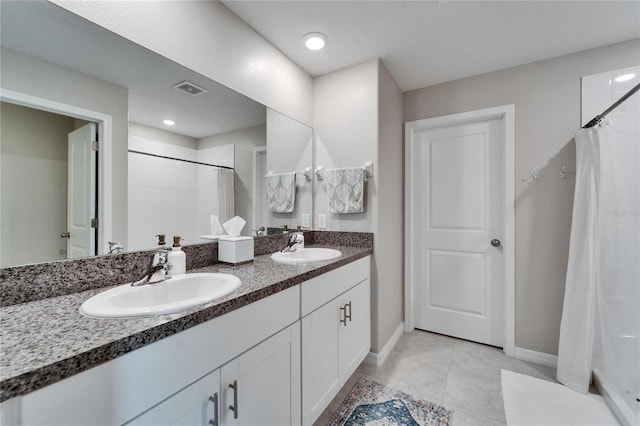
[{"x": 189, "y": 88}]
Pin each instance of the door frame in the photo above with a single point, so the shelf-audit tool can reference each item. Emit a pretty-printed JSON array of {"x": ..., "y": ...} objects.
[
  {"x": 257, "y": 180},
  {"x": 506, "y": 113},
  {"x": 104, "y": 122}
]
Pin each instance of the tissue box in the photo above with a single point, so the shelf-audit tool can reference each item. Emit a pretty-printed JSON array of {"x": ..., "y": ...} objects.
[{"x": 235, "y": 250}]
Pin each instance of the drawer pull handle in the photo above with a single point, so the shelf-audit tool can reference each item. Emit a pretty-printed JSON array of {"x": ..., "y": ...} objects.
[
  {"x": 234, "y": 407},
  {"x": 216, "y": 416},
  {"x": 345, "y": 312}
]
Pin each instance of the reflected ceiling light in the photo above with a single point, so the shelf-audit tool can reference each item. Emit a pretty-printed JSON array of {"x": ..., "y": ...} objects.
[
  {"x": 169, "y": 122},
  {"x": 625, "y": 77},
  {"x": 314, "y": 41}
]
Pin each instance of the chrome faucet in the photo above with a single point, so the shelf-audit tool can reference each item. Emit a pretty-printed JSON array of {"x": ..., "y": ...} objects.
[
  {"x": 296, "y": 241},
  {"x": 157, "y": 270},
  {"x": 115, "y": 248}
]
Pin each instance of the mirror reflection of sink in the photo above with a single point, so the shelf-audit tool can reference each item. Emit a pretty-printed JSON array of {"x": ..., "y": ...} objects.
[
  {"x": 306, "y": 255},
  {"x": 179, "y": 293}
]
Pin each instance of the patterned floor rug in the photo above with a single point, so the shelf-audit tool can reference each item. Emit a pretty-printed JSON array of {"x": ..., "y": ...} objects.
[{"x": 372, "y": 404}]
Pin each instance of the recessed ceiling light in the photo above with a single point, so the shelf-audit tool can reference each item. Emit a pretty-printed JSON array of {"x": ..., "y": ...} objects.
[
  {"x": 169, "y": 122},
  {"x": 625, "y": 77},
  {"x": 314, "y": 41}
]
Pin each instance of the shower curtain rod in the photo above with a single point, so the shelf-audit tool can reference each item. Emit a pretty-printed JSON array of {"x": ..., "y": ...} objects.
[
  {"x": 598, "y": 118},
  {"x": 179, "y": 159}
]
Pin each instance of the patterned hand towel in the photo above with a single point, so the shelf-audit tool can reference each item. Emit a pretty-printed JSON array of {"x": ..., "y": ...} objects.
[
  {"x": 281, "y": 192},
  {"x": 345, "y": 190}
]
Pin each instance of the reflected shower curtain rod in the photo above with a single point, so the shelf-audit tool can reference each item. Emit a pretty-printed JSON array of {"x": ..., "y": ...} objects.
[
  {"x": 599, "y": 117},
  {"x": 179, "y": 159}
]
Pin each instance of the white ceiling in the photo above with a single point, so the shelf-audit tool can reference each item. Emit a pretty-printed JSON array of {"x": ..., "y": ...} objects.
[{"x": 428, "y": 42}]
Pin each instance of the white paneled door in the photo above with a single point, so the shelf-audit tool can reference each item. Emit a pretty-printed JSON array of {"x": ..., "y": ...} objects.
[
  {"x": 81, "y": 194},
  {"x": 457, "y": 205}
]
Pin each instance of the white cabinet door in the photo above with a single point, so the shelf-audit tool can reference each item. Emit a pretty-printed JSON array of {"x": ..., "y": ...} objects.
[
  {"x": 262, "y": 386},
  {"x": 335, "y": 340},
  {"x": 320, "y": 364},
  {"x": 196, "y": 405},
  {"x": 355, "y": 337}
]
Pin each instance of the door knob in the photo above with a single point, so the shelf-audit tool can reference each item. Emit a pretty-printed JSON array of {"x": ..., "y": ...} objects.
[
  {"x": 496, "y": 242},
  {"x": 65, "y": 235}
]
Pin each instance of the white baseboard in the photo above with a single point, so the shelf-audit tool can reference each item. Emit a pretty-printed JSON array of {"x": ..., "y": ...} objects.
[
  {"x": 379, "y": 358},
  {"x": 535, "y": 357}
]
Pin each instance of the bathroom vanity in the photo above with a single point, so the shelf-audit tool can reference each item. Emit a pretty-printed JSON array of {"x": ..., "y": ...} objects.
[{"x": 276, "y": 351}]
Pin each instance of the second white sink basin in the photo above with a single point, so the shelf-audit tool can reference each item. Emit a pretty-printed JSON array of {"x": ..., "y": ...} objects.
[
  {"x": 306, "y": 255},
  {"x": 179, "y": 293}
]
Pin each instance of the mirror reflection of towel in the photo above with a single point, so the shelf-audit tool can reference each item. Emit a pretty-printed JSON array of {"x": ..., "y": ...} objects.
[
  {"x": 216, "y": 228},
  {"x": 345, "y": 190},
  {"x": 281, "y": 192}
]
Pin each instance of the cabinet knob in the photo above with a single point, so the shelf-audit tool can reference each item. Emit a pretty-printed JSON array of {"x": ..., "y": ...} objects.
[{"x": 348, "y": 315}]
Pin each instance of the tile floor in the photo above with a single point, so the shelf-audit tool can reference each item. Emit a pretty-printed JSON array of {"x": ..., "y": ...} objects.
[{"x": 460, "y": 375}]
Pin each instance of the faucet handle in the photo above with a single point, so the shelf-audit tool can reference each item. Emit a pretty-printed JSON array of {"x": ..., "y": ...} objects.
[
  {"x": 115, "y": 247},
  {"x": 293, "y": 237},
  {"x": 159, "y": 257}
]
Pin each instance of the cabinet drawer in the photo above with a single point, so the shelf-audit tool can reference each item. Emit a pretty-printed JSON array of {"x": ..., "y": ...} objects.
[{"x": 319, "y": 290}]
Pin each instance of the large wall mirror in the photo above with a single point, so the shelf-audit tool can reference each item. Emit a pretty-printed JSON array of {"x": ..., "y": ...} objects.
[{"x": 87, "y": 157}]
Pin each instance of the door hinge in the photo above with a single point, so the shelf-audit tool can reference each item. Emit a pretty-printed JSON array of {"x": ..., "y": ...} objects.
[
  {"x": 94, "y": 222},
  {"x": 94, "y": 146}
]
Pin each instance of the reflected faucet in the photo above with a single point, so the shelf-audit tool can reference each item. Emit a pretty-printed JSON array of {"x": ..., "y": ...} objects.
[
  {"x": 296, "y": 241},
  {"x": 157, "y": 269},
  {"x": 115, "y": 248}
]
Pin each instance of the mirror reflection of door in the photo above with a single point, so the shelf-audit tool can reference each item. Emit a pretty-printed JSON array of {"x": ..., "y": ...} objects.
[
  {"x": 34, "y": 148},
  {"x": 81, "y": 192}
]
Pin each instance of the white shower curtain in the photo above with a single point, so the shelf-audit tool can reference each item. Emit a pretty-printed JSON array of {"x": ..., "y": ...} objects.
[
  {"x": 223, "y": 183},
  {"x": 575, "y": 352}
]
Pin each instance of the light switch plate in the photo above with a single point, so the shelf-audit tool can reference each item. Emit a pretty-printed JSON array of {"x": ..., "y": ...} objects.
[
  {"x": 306, "y": 220},
  {"x": 322, "y": 221}
]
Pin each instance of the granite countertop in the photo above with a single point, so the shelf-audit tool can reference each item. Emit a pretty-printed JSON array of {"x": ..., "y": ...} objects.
[{"x": 44, "y": 341}]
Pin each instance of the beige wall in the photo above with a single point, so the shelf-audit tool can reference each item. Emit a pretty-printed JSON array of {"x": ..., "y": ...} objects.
[
  {"x": 389, "y": 241},
  {"x": 163, "y": 136},
  {"x": 358, "y": 118},
  {"x": 289, "y": 149},
  {"x": 345, "y": 121},
  {"x": 33, "y": 179},
  {"x": 546, "y": 95},
  {"x": 244, "y": 140},
  {"x": 19, "y": 72},
  {"x": 208, "y": 38}
]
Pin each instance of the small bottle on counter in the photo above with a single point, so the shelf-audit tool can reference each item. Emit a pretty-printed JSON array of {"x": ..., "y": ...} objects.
[
  {"x": 285, "y": 229},
  {"x": 177, "y": 259},
  {"x": 161, "y": 240}
]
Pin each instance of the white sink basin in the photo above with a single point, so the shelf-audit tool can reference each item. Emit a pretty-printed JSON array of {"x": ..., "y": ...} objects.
[
  {"x": 306, "y": 255},
  {"x": 179, "y": 293}
]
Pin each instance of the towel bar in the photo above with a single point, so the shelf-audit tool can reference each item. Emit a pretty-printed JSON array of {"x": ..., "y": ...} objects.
[
  {"x": 306, "y": 172},
  {"x": 368, "y": 169}
]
